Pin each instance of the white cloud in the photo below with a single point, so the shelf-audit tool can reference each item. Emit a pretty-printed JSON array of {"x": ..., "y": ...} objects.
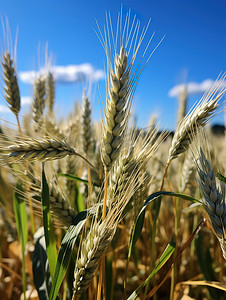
[
  {"x": 193, "y": 88},
  {"x": 26, "y": 100},
  {"x": 67, "y": 74},
  {"x": 4, "y": 109},
  {"x": 27, "y": 76}
]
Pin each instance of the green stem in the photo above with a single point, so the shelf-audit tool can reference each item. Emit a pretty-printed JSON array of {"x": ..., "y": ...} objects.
[
  {"x": 24, "y": 273},
  {"x": 174, "y": 271},
  {"x": 153, "y": 256}
]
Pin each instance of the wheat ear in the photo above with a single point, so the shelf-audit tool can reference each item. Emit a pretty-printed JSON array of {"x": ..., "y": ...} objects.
[
  {"x": 50, "y": 93},
  {"x": 86, "y": 124},
  {"x": 38, "y": 101},
  {"x": 92, "y": 249},
  {"x": 121, "y": 83},
  {"x": 132, "y": 159},
  {"x": 37, "y": 150},
  {"x": 98, "y": 238},
  {"x": 70, "y": 168},
  {"x": 52, "y": 128},
  {"x": 140, "y": 195},
  {"x": 117, "y": 109},
  {"x": 214, "y": 199},
  {"x": 197, "y": 119},
  {"x": 59, "y": 205},
  {"x": 12, "y": 93},
  {"x": 187, "y": 171},
  {"x": 182, "y": 102}
]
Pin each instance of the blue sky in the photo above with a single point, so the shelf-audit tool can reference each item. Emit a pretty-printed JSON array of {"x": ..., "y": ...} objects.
[{"x": 193, "y": 50}]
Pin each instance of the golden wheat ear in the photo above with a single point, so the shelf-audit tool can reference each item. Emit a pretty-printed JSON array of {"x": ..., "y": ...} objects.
[
  {"x": 11, "y": 88},
  {"x": 197, "y": 118},
  {"x": 39, "y": 101},
  {"x": 212, "y": 189},
  {"x": 9, "y": 73},
  {"x": 28, "y": 149},
  {"x": 121, "y": 81},
  {"x": 61, "y": 210},
  {"x": 98, "y": 238},
  {"x": 86, "y": 124},
  {"x": 50, "y": 93}
]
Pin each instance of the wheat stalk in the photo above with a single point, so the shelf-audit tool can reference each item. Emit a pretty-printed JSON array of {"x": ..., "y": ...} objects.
[{"x": 12, "y": 93}]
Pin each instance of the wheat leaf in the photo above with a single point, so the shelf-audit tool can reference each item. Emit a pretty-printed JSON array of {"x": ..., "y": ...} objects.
[
  {"x": 162, "y": 260},
  {"x": 22, "y": 230},
  {"x": 65, "y": 252},
  {"x": 48, "y": 226}
]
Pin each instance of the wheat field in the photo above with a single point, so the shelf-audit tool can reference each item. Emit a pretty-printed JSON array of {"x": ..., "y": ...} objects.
[{"x": 108, "y": 210}]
